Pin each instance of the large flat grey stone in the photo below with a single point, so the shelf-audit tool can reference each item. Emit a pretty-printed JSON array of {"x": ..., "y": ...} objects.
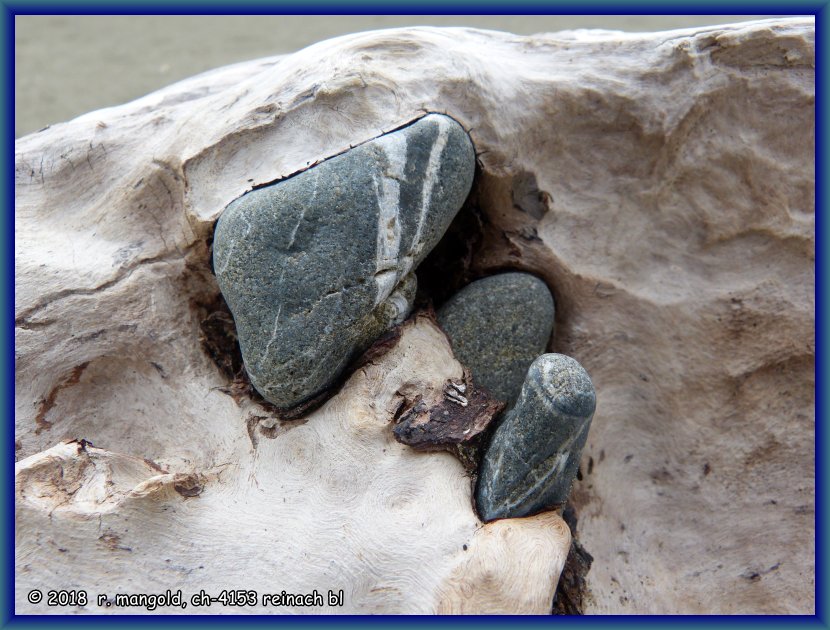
[{"x": 316, "y": 266}]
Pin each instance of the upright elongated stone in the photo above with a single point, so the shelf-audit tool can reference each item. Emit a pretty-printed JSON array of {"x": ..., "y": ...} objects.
[
  {"x": 534, "y": 454},
  {"x": 316, "y": 266},
  {"x": 497, "y": 326}
]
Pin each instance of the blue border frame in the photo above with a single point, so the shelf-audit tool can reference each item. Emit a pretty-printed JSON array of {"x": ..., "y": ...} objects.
[
  {"x": 422, "y": 7},
  {"x": 7, "y": 342},
  {"x": 821, "y": 446},
  {"x": 249, "y": 7}
]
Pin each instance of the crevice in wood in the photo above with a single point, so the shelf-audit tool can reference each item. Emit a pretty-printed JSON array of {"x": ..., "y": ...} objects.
[{"x": 572, "y": 593}]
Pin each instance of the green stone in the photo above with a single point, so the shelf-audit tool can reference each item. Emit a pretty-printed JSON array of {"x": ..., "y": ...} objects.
[
  {"x": 315, "y": 267},
  {"x": 533, "y": 456},
  {"x": 497, "y": 326}
]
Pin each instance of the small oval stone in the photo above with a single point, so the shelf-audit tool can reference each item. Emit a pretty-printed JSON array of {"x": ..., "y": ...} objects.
[
  {"x": 534, "y": 454},
  {"x": 315, "y": 267},
  {"x": 497, "y": 326}
]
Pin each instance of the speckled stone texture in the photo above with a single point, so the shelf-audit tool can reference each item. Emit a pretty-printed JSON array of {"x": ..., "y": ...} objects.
[
  {"x": 315, "y": 267},
  {"x": 498, "y": 325},
  {"x": 534, "y": 454}
]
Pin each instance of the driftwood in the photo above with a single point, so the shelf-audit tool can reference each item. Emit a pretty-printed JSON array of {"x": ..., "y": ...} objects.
[
  {"x": 334, "y": 503},
  {"x": 661, "y": 184}
]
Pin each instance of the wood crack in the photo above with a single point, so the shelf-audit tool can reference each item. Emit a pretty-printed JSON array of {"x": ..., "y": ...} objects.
[{"x": 22, "y": 320}]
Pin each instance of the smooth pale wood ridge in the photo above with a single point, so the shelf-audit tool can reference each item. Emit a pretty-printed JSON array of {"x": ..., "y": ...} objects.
[{"x": 662, "y": 184}]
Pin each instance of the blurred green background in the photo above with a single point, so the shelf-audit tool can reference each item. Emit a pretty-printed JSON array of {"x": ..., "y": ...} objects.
[{"x": 68, "y": 65}]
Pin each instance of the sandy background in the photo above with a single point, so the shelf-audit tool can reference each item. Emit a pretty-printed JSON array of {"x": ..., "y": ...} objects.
[{"x": 68, "y": 65}]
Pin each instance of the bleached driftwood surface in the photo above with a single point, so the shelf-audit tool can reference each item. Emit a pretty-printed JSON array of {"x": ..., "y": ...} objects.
[
  {"x": 662, "y": 185},
  {"x": 335, "y": 503}
]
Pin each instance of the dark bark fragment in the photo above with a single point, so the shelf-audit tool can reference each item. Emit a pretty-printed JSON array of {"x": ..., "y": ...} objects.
[
  {"x": 458, "y": 423},
  {"x": 45, "y": 405},
  {"x": 189, "y": 486}
]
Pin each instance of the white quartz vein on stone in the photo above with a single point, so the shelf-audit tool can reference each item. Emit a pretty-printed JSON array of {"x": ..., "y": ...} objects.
[
  {"x": 399, "y": 301},
  {"x": 388, "y": 194},
  {"x": 545, "y": 481},
  {"x": 305, "y": 207},
  {"x": 265, "y": 352},
  {"x": 233, "y": 244},
  {"x": 273, "y": 337},
  {"x": 430, "y": 179}
]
